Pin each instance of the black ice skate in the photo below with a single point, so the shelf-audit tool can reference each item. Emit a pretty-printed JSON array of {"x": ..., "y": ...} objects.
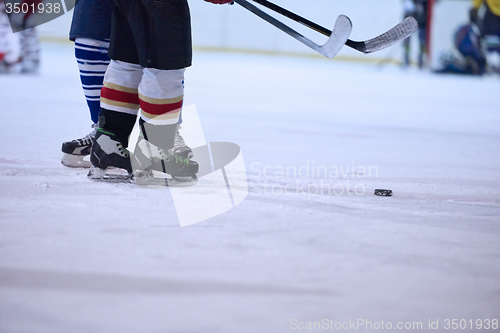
[
  {"x": 75, "y": 151},
  {"x": 155, "y": 167},
  {"x": 110, "y": 160}
]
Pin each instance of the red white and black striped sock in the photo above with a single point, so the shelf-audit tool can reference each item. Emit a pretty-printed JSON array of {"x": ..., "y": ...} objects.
[
  {"x": 159, "y": 94},
  {"x": 120, "y": 91}
]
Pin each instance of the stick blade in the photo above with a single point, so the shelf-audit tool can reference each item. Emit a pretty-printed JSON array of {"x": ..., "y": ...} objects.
[
  {"x": 338, "y": 38},
  {"x": 400, "y": 32}
]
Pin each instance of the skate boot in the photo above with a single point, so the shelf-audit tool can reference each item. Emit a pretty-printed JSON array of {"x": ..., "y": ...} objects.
[
  {"x": 110, "y": 160},
  {"x": 154, "y": 166},
  {"x": 180, "y": 147},
  {"x": 75, "y": 151}
]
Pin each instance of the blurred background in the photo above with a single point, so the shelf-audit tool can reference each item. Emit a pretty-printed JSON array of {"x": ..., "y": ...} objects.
[{"x": 231, "y": 28}]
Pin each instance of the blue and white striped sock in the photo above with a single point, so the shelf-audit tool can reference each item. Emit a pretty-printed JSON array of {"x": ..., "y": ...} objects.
[{"x": 93, "y": 60}]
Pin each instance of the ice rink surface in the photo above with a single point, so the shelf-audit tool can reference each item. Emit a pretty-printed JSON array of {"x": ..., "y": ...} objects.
[{"x": 310, "y": 244}]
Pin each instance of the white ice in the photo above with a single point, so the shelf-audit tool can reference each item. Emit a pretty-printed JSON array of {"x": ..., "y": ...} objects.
[{"x": 81, "y": 256}]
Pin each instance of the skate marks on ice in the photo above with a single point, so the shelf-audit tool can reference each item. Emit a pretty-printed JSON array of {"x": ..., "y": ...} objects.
[
  {"x": 16, "y": 161},
  {"x": 40, "y": 191},
  {"x": 415, "y": 199},
  {"x": 15, "y": 278}
]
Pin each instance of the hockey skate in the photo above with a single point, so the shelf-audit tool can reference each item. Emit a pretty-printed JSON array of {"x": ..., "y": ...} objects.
[
  {"x": 75, "y": 151},
  {"x": 110, "y": 160},
  {"x": 155, "y": 167}
]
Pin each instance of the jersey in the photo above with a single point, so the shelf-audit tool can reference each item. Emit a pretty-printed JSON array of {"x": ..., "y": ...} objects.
[{"x": 494, "y": 5}]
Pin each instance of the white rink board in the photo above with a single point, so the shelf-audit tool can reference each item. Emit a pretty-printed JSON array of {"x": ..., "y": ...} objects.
[
  {"x": 445, "y": 25},
  {"x": 232, "y": 27}
]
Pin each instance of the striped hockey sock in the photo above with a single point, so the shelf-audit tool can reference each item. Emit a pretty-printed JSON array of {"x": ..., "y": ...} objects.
[
  {"x": 92, "y": 58},
  {"x": 161, "y": 95}
]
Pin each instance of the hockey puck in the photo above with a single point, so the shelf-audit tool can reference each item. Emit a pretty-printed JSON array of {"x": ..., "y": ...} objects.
[{"x": 383, "y": 193}]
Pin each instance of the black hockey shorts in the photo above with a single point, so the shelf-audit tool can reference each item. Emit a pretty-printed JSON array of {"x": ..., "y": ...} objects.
[
  {"x": 91, "y": 19},
  {"x": 152, "y": 33}
]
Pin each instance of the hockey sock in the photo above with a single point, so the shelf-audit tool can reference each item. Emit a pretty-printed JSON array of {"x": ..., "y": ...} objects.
[
  {"x": 162, "y": 136},
  {"x": 118, "y": 123},
  {"x": 31, "y": 50},
  {"x": 120, "y": 99},
  {"x": 92, "y": 58},
  {"x": 161, "y": 94},
  {"x": 120, "y": 91}
]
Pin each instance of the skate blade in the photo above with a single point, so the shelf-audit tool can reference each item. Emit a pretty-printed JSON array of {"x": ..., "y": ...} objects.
[
  {"x": 111, "y": 175},
  {"x": 75, "y": 161},
  {"x": 159, "y": 179}
]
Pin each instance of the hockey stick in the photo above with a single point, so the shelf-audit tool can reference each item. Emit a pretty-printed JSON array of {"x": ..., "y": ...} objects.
[
  {"x": 400, "y": 32},
  {"x": 337, "y": 37}
]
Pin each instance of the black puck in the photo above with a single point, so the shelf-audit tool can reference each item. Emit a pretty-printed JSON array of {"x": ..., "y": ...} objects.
[{"x": 383, "y": 193}]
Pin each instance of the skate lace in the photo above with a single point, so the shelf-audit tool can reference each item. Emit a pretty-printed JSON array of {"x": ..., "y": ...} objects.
[
  {"x": 171, "y": 157},
  {"x": 89, "y": 138},
  {"x": 179, "y": 140},
  {"x": 167, "y": 156}
]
